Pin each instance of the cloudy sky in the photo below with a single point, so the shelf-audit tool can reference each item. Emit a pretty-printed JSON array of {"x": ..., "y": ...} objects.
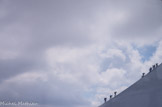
[{"x": 73, "y": 53}]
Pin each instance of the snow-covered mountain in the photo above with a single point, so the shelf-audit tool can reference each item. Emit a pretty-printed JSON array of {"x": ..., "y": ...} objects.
[{"x": 147, "y": 92}]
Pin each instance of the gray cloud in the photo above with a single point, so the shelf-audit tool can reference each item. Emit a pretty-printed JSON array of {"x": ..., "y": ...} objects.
[
  {"x": 42, "y": 92},
  {"x": 80, "y": 31},
  {"x": 143, "y": 20}
]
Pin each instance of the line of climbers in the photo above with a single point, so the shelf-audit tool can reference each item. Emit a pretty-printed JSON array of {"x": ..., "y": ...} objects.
[
  {"x": 115, "y": 93},
  {"x": 143, "y": 74},
  {"x": 151, "y": 69}
]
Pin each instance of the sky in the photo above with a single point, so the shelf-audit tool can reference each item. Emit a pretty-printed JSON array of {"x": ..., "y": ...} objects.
[{"x": 74, "y": 53}]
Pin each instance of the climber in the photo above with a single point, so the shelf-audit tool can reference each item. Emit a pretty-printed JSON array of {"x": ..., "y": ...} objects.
[
  {"x": 150, "y": 69},
  {"x": 105, "y": 99},
  {"x": 143, "y": 74},
  {"x": 153, "y": 67},
  {"x": 156, "y": 64},
  {"x": 115, "y": 93},
  {"x": 110, "y": 96}
]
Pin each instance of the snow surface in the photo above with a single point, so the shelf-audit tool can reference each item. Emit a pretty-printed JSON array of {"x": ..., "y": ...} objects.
[{"x": 147, "y": 92}]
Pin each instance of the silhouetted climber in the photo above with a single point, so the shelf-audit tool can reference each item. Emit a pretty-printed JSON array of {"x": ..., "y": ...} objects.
[
  {"x": 143, "y": 74},
  {"x": 115, "y": 93},
  {"x": 150, "y": 69},
  {"x": 110, "y": 96},
  {"x": 153, "y": 67},
  {"x": 105, "y": 99},
  {"x": 156, "y": 64}
]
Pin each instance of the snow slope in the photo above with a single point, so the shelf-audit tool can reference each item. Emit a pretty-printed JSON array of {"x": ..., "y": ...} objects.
[{"x": 147, "y": 92}]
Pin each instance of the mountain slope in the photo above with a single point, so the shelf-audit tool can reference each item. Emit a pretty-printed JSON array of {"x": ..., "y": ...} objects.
[{"x": 147, "y": 92}]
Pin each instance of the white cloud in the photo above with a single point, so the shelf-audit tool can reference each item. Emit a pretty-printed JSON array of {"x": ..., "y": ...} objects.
[
  {"x": 112, "y": 77},
  {"x": 113, "y": 53}
]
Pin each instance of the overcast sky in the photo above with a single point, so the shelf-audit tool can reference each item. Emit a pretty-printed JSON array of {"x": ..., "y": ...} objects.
[{"x": 73, "y": 53}]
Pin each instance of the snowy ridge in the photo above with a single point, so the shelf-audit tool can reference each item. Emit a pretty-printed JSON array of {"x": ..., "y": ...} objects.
[{"x": 146, "y": 92}]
